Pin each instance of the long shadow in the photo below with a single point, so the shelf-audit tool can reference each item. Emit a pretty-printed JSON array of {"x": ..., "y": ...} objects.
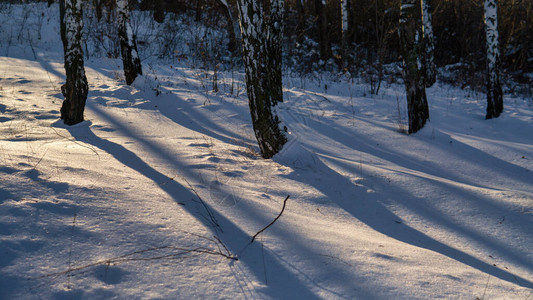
[
  {"x": 373, "y": 213},
  {"x": 244, "y": 208},
  {"x": 183, "y": 113},
  {"x": 519, "y": 174},
  {"x": 457, "y": 188},
  {"x": 377, "y": 216},
  {"x": 289, "y": 286},
  {"x": 421, "y": 208},
  {"x": 359, "y": 143},
  {"x": 45, "y": 64}
]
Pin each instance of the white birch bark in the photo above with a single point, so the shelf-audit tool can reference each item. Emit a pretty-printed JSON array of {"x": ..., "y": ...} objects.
[
  {"x": 76, "y": 88},
  {"x": 345, "y": 24},
  {"x": 429, "y": 44},
  {"x": 344, "y": 14},
  {"x": 410, "y": 31},
  {"x": 259, "y": 41},
  {"x": 494, "y": 90}
]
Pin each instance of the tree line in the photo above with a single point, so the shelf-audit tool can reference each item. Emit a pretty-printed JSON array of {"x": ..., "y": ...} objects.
[
  {"x": 370, "y": 28},
  {"x": 345, "y": 31}
]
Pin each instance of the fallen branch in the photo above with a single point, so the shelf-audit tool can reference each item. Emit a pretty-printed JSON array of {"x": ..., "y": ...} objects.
[
  {"x": 132, "y": 257},
  {"x": 210, "y": 216},
  {"x": 273, "y": 221}
]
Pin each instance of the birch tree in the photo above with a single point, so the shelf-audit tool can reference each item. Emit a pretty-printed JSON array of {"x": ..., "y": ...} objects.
[
  {"x": 261, "y": 47},
  {"x": 274, "y": 49},
  {"x": 75, "y": 89},
  {"x": 430, "y": 72},
  {"x": 128, "y": 45},
  {"x": 494, "y": 89},
  {"x": 410, "y": 31},
  {"x": 345, "y": 25}
]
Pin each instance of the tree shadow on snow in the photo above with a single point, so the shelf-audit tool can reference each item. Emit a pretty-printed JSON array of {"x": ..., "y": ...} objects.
[
  {"x": 369, "y": 209},
  {"x": 286, "y": 286},
  {"x": 183, "y": 112}
]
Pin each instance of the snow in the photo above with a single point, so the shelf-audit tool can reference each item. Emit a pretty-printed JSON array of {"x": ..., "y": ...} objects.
[{"x": 127, "y": 204}]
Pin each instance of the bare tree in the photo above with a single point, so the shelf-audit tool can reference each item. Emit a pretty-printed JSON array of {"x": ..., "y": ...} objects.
[
  {"x": 261, "y": 47},
  {"x": 199, "y": 10},
  {"x": 128, "y": 45},
  {"x": 300, "y": 27},
  {"x": 494, "y": 89},
  {"x": 323, "y": 34},
  {"x": 410, "y": 30},
  {"x": 97, "y": 4},
  {"x": 229, "y": 20},
  {"x": 75, "y": 89}
]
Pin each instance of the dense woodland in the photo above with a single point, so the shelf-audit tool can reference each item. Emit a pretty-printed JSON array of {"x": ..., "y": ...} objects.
[
  {"x": 372, "y": 35},
  {"x": 266, "y": 149},
  {"x": 478, "y": 43},
  {"x": 314, "y": 32}
]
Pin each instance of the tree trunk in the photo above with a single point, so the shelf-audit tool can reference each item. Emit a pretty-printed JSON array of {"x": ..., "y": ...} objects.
[
  {"x": 494, "y": 89},
  {"x": 98, "y": 9},
  {"x": 232, "y": 44},
  {"x": 128, "y": 45},
  {"x": 159, "y": 11},
  {"x": 274, "y": 48},
  {"x": 430, "y": 71},
  {"x": 346, "y": 17},
  {"x": 301, "y": 21},
  {"x": 323, "y": 34},
  {"x": 410, "y": 30},
  {"x": 62, "y": 28},
  {"x": 75, "y": 89},
  {"x": 199, "y": 5},
  {"x": 262, "y": 95}
]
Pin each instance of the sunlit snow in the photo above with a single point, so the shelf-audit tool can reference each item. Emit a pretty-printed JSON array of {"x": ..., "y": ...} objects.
[{"x": 156, "y": 196}]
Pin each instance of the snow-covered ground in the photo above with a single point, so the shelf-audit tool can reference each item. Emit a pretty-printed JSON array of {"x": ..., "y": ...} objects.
[{"x": 158, "y": 193}]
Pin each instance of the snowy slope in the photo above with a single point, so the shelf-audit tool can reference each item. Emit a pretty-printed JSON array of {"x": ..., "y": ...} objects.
[{"x": 158, "y": 196}]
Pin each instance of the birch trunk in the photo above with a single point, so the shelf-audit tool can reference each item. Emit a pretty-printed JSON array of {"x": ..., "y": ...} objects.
[
  {"x": 345, "y": 26},
  {"x": 494, "y": 89},
  {"x": 410, "y": 30},
  {"x": 274, "y": 46},
  {"x": 430, "y": 70},
  {"x": 128, "y": 45},
  {"x": 262, "y": 88},
  {"x": 75, "y": 89}
]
